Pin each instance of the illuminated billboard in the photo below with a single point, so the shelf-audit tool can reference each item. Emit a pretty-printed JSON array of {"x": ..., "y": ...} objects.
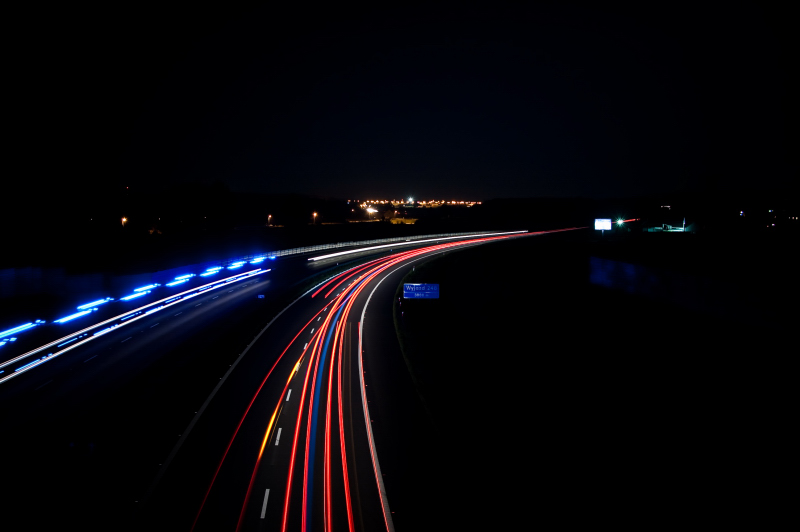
[{"x": 602, "y": 224}]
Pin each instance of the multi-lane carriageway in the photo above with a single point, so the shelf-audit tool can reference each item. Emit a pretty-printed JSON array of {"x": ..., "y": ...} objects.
[{"x": 292, "y": 447}]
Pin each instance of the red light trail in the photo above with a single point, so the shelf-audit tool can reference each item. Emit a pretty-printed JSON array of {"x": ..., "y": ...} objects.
[{"x": 328, "y": 382}]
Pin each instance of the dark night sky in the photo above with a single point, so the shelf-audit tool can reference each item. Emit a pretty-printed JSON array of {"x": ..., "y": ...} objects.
[{"x": 443, "y": 101}]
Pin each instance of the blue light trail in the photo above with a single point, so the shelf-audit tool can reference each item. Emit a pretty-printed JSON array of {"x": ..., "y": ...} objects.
[
  {"x": 95, "y": 303},
  {"x": 133, "y": 296},
  {"x": 104, "y": 331},
  {"x": 173, "y": 283},
  {"x": 72, "y": 316},
  {"x": 21, "y": 328},
  {"x": 69, "y": 342},
  {"x": 141, "y": 288}
]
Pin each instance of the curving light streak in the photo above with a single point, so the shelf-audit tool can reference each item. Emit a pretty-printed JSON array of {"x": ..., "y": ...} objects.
[
  {"x": 133, "y": 296},
  {"x": 121, "y": 317},
  {"x": 247, "y": 410},
  {"x": 95, "y": 303},
  {"x": 73, "y": 316},
  {"x": 148, "y": 287},
  {"x": 15, "y": 330},
  {"x": 350, "y": 294},
  {"x": 397, "y": 244},
  {"x": 334, "y": 324},
  {"x": 348, "y": 502}
]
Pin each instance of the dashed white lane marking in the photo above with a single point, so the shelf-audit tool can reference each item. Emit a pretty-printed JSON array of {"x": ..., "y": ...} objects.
[
  {"x": 288, "y": 395},
  {"x": 155, "y": 325},
  {"x": 264, "y": 506},
  {"x": 319, "y": 318},
  {"x": 215, "y": 297},
  {"x": 178, "y": 314},
  {"x": 326, "y": 308},
  {"x": 312, "y": 331},
  {"x": 45, "y": 384},
  {"x": 278, "y": 438},
  {"x": 197, "y": 305},
  {"x": 126, "y": 339},
  {"x": 229, "y": 291},
  {"x": 88, "y": 359}
]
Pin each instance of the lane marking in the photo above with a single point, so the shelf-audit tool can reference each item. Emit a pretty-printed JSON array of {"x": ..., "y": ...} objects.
[
  {"x": 208, "y": 400},
  {"x": 264, "y": 506},
  {"x": 178, "y": 314},
  {"x": 215, "y": 297},
  {"x": 312, "y": 331},
  {"x": 155, "y": 325},
  {"x": 278, "y": 438},
  {"x": 319, "y": 318},
  {"x": 45, "y": 384},
  {"x": 229, "y": 291},
  {"x": 197, "y": 305},
  {"x": 288, "y": 395},
  {"x": 88, "y": 359},
  {"x": 126, "y": 339},
  {"x": 305, "y": 346}
]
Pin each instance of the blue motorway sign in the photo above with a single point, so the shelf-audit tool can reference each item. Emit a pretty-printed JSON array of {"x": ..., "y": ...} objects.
[{"x": 420, "y": 291}]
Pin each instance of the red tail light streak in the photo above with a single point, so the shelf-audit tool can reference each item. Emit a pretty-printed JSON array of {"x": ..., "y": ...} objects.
[{"x": 321, "y": 365}]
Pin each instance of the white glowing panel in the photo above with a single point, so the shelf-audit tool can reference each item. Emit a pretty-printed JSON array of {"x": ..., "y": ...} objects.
[{"x": 601, "y": 224}]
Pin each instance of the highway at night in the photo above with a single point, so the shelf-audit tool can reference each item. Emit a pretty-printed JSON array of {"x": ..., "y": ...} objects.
[{"x": 289, "y": 437}]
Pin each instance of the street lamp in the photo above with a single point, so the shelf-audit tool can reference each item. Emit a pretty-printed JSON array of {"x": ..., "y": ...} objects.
[
  {"x": 269, "y": 219},
  {"x": 124, "y": 221},
  {"x": 315, "y": 218}
]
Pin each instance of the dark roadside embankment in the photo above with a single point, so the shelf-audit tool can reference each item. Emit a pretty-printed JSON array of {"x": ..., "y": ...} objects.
[{"x": 590, "y": 380}]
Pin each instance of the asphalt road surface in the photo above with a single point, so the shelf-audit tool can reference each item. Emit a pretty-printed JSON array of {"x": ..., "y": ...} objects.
[{"x": 209, "y": 416}]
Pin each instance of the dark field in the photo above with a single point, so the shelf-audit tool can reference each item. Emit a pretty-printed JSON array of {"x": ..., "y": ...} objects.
[{"x": 574, "y": 380}]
